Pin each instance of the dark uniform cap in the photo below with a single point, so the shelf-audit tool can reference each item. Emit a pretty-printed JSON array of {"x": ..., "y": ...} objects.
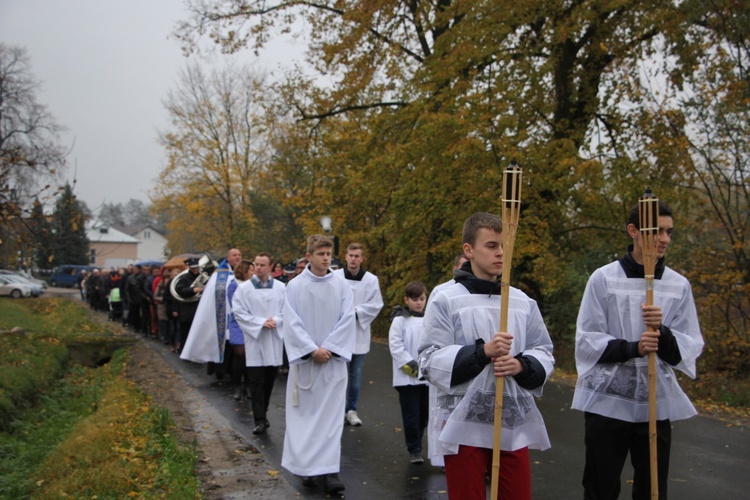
[{"x": 191, "y": 262}]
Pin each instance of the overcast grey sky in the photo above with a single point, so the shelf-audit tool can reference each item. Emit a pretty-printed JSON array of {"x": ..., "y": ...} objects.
[{"x": 105, "y": 67}]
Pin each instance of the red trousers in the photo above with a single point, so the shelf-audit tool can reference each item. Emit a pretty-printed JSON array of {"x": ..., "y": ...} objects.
[{"x": 467, "y": 470}]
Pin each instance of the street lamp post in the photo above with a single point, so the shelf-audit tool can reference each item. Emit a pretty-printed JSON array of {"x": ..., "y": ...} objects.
[{"x": 326, "y": 223}]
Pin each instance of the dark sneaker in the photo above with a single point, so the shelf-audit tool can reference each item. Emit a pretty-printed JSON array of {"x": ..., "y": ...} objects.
[
  {"x": 260, "y": 428},
  {"x": 332, "y": 483},
  {"x": 416, "y": 458}
]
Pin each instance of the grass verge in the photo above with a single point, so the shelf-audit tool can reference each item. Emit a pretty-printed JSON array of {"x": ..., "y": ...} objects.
[
  {"x": 90, "y": 432},
  {"x": 34, "y": 359}
]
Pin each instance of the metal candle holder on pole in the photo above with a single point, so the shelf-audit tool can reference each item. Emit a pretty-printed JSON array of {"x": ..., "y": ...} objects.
[
  {"x": 648, "y": 217},
  {"x": 511, "y": 209}
]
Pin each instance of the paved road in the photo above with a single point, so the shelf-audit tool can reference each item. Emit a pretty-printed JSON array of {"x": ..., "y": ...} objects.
[{"x": 709, "y": 458}]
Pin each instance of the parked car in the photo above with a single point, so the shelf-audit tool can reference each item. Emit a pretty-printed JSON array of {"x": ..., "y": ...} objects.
[
  {"x": 36, "y": 290},
  {"x": 15, "y": 290},
  {"x": 67, "y": 275},
  {"x": 25, "y": 275}
]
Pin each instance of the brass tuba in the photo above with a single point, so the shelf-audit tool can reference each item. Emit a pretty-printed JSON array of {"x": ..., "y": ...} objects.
[{"x": 206, "y": 266}]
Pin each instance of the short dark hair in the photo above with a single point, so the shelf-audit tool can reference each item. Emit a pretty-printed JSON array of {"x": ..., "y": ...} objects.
[
  {"x": 415, "y": 289},
  {"x": 633, "y": 218},
  {"x": 477, "y": 221}
]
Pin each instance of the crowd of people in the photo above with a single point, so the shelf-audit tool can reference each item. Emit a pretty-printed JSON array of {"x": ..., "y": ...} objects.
[
  {"x": 255, "y": 317},
  {"x": 139, "y": 297}
]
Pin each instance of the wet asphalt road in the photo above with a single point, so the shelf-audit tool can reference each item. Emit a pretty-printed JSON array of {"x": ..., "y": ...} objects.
[{"x": 709, "y": 458}]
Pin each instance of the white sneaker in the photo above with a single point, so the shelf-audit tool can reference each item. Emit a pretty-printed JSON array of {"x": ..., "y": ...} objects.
[{"x": 351, "y": 418}]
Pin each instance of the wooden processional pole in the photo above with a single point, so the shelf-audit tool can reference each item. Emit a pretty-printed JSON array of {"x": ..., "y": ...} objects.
[
  {"x": 511, "y": 210},
  {"x": 648, "y": 216}
]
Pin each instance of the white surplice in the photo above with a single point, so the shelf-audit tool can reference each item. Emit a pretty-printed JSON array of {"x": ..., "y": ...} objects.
[
  {"x": 210, "y": 328},
  {"x": 403, "y": 342},
  {"x": 611, "y": 309},
  {"x": 252, "y": 307},
  {"x": 464, "y": 414},
  {"x": 433, "y": 434},
  {"x": 318, "y": 312},
  {"x": 367, "y": 305}
]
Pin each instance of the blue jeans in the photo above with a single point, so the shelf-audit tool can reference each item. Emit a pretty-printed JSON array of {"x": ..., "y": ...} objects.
[{"x": 355, "y": 381}]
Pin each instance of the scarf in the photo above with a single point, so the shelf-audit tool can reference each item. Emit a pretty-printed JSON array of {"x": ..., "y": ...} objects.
[
  {"x": 466, "y": 277},
  {"x": 635, "y": 270},
  {"x": 405, "y": 312}
]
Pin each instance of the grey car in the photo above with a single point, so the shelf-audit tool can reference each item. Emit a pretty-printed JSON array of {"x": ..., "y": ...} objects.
[
  {"x": 36, "y": 290},
  {"x": 25, "y": 275},
  {"x": 15, "y": 290}
]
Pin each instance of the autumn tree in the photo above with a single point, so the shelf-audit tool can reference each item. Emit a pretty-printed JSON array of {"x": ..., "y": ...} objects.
[
  {"x": 30, "y": 154},
  {"x": 413, "y": 108},
  {"x": 216, "y": 147},
  {"x": 462, "y": 86},
  {"x": 695, "y": 116},
  {"x": 29, "y": 148}
]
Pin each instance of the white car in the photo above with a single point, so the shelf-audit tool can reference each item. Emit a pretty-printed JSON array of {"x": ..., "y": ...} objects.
[
  {"x": 13, "y": 289},
  {"x": 25, "y": 275},
  {"x": 36, "y": 290}
]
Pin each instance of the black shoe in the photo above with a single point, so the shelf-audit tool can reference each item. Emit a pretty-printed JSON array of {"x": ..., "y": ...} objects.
[
  {"x": 309, "y": 481},
  {"x": 260, "y": 428},
  {"x": 238, "y": 393},
  {"x": 332, "y": 483}
]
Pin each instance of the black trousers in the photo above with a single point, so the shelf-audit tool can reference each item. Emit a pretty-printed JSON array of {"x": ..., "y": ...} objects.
[
  {"x": 146, "y": 318},
  {"x": 184, "y": 331},
  {"x": 415, "y": 408},
  {"x": 134, "y": 316},
  {"x": 608, "y": 442},
  {"x": 260, "y": 382},
  {"x": 239, "y": 371}
]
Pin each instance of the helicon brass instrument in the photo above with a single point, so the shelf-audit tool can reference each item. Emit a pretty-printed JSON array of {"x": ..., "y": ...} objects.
[{"x": 206, "y": 267}]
